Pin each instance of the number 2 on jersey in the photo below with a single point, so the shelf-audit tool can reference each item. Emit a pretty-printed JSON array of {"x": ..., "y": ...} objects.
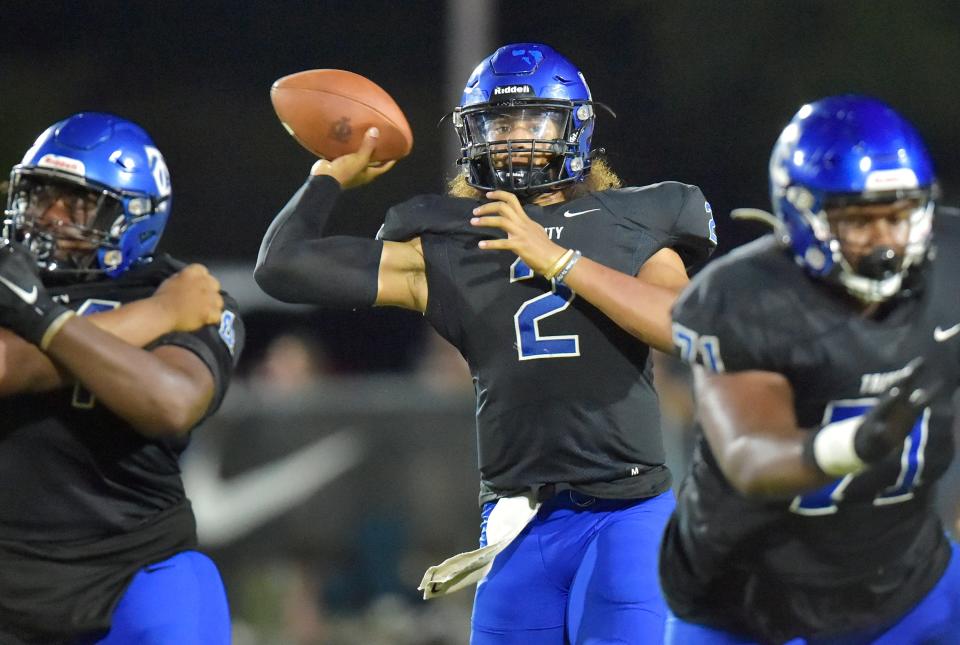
[
  {"x": 530, "y": 344},
  {"x": 824, "y": 501}
]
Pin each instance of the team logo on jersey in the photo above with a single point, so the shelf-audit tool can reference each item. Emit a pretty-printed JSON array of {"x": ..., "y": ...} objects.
[
  {"x": 227, "y": 332},
  {"x": 553, "y": 232},
  {"x": 882, "y": 381}
]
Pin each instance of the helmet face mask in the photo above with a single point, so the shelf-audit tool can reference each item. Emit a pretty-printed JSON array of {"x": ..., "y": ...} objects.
[
  {"x": 62, "y": 223},
  {"x": 525, "y": 98},
  {"x": 880, "y": 241},
  {"x": 854, "y": 185},
  {"x": 90, "y": 198},
  {"x": 517, "y": 147}
]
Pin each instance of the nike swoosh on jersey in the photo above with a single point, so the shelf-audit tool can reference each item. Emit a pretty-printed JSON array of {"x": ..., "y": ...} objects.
[
  {"x": 28, "y": 297},
  {"x": 569, "y": 214},
  {"x": 941, "y": 335}
]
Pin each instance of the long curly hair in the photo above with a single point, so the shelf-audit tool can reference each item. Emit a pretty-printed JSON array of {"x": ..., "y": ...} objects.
[{"x": 601, "y": 177}]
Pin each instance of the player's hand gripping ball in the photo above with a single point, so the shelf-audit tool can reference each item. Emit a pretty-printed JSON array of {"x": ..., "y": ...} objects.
[{"x": 328, "y": 110}]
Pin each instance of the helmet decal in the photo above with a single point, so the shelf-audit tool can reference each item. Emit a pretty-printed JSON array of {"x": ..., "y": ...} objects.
[{"x": 158, "y": 167}]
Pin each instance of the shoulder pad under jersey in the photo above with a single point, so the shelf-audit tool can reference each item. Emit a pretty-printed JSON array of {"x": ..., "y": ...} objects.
[
  {"x": 676, "y": 213},
  {"x": 427, "y": 214}
]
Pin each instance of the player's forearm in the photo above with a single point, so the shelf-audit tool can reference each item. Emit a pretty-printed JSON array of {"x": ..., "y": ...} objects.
[
  {"x": 338, "y": 272},
  {"x": 749, "y": 423},
  {"x": 298, "y": 264},
  {"x": 640, "y": 308},
  {"x": 303, "y": 218},
  {"x": 156, "y": 398},
  {"x": 24, "y": 368},
  {"x": 138, "y": 323},
  {"x": 758, "y": 465}
]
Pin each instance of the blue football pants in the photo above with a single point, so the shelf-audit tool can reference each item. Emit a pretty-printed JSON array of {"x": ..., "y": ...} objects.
[
  {"x": 179, "y": 601},
  {"x": 935, "y": 620},
  {"x": 583, "y": 571}
]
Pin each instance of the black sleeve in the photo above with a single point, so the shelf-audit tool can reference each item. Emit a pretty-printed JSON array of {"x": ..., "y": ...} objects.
[
  {"x": 298, "y": 264},
  {"x": 693, "y": 234},
  {"x": 219, "y": 347},
  {"x": 715, "y": 325}
]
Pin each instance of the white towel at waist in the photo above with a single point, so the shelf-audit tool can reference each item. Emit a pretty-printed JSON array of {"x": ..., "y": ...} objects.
[{"x": 505, "y": 522}]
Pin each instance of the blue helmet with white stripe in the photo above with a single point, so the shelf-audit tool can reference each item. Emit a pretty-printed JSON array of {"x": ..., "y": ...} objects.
[
  {"x": 843, "y": 151},
  {"x": 111, "y": 190},
  {"x": 525, "y": 121}
]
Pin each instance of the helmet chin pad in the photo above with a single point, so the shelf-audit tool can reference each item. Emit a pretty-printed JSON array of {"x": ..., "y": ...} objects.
[
  {"x": 881, "y": 263},
  {"x": 523, "y": 178}
]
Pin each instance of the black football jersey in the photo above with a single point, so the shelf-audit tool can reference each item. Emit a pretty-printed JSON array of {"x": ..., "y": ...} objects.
[
  {"x": 564, "y": 396},
  {"x": 86, "y": 500},
  {"x": 864, "y": 549}
]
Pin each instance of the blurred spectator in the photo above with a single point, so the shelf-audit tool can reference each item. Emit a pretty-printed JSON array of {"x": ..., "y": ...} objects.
[
  {"x": 441, "y": 368},
  {"x": 672, "y": 378},
  {"x": 292, "y": 362}
]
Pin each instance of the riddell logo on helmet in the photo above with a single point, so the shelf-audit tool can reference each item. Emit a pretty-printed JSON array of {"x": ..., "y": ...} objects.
[
  {"x": 65, "y": 164},
  {"x": 894, "y": 179},
  {"x": 512, "y": 89}
]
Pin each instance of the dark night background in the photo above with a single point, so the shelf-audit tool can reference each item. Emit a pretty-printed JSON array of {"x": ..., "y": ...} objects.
[{"x": 701, "y": 90}]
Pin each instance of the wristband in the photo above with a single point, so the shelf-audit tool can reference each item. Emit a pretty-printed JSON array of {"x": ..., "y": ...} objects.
[
  {"x": 54, "y": 328},
  {"x": 566, "y": 268},
  {"x": 558, "y": 264},
  {"x": 832, "y": 448}
]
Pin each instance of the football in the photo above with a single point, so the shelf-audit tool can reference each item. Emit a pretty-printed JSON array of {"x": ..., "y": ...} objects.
[{"x": 328, "y": 110}]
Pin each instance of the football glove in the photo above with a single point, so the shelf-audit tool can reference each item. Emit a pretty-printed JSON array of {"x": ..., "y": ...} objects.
[
  {"x": 888, "y": 423},
  {"x": 25, "y": 306}
]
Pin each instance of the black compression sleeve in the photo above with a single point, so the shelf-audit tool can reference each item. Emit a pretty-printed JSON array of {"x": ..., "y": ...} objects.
[{"x": 297, "y": 264}]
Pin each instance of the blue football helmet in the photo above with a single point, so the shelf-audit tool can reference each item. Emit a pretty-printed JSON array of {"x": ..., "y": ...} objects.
[
  {"x": 852, "y": 150},
  {"x": 525, "y": 122},
  {"x": 106, "y": 173}
]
